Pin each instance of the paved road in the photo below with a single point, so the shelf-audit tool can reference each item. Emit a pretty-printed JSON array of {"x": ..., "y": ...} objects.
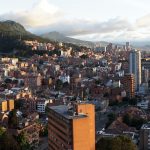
[
  {"x": 101, "y": 120},
  {"x": 43, "y": 144}
]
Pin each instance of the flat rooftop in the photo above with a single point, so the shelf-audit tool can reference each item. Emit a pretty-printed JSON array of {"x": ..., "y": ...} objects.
[
  {"x": 146, "y": 126},
  {"x": 65, "y": 112}
]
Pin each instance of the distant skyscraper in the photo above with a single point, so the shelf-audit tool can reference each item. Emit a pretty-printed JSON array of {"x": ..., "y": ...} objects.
[
  {"x": 129, "y": 85},
  {"x": 127, "y": 45},
  {"x": 145, "y": 75},
  {"x": 135, "y": 66}
]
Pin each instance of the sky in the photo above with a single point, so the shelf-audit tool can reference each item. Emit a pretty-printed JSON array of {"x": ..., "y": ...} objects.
[{"x": 94, "y": 20}]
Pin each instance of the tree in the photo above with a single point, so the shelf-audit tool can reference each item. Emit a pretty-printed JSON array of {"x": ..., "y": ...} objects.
[
  {"x": 111, "y": 118},
  {"x": 133, "y": 122},
  {"x": 113, "y": 103},
  {"x": 22, "y": 141},
  {"x": 8, "y": 142},
  {"x": 117, "y": 143},
  {"x": 137, "y": 122},
  {"x": 13, "y": 119},
  {"x": 18, "y": 103},
  {"x": 47, "y": 109},
  {"x": 127, "y": 119},
  {"x": 2, "y": 131},
  {"x": 4, "y": 85},
  {"x": 44, "y": 132},
  {"x": 104, "y": 144},
  {"x": 123, "y": 143},
  {"x": 84, "y": 56},
  {"x": 14, "y": 81},
  {"x": 65, "y": 84},
  {"x": 125, "y": 99},
  {"x": 8, "y": 80},
  {"x": 98, "y": 81},
  {"x": 133, "y": 101},
  {"x": 59, "y": 84},
  {"x": 106, "y": 94},
  {"x": 41, "y": 62}
]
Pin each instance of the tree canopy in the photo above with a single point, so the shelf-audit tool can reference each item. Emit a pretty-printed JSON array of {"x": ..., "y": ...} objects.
[
  {"x": 133, "y": 122},
  {"x": 117, "y": 143},
  {"x": 13, "y": 119},
  {"x": 7, "y": 141}
]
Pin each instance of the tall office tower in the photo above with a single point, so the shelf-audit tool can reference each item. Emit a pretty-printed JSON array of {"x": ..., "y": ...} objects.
[
  {"x": 71, "y": 128},
  {"x": 109, "y": 47},
  {"x": 135, "y": 66},
  {"x": 127, "y": 45},
  {"x": 145, "y": 75},
  {"x": 129, "y": 84},
  {"x": 145, "y": 137}
]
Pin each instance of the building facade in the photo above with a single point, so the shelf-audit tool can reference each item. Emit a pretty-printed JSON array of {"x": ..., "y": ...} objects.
[
  {"x": 135, "y": 66},
  {"x": 145, "y": 137},
  {"x": 129, "y": 85},
  {"x": 73, "y": 128}
]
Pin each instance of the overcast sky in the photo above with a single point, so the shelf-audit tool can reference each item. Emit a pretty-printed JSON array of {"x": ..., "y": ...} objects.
[{"x": 105, "y": 20}]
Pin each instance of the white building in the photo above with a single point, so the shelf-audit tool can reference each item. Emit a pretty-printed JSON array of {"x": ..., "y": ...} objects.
[
  {"x": 144, "y": 104},
  {"x": 118, "y": 66},
  {"x": 41, "y": 105},
  {"x": 65, "y": 78}
]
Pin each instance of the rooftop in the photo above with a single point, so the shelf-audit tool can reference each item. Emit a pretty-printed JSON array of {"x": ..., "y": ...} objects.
[
  {"x": 146, "y": 126},
  {"x": 64, "y": 111}
]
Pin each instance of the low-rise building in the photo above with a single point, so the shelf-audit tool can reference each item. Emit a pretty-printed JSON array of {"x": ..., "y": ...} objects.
[
  {"x": 144, "y": 104},
  {"x": 41, "y": 104},
  {"x": 145, "y": 137},
  {"x": 6, "y": 105}
]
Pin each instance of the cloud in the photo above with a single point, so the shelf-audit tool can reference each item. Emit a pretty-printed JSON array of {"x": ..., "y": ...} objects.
[
  {"x": 143, "y": 21},
  {"x": 84, "y": 27},
  {"x": 44, "y": 17},
  {"x": 41, "y": 14}
]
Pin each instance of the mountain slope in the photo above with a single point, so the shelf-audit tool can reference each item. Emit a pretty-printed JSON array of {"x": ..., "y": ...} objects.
[
  {"x": 13, "y": 28},
  {"x": 12, "y": 35},
  {"x": 56, "y": 36}
]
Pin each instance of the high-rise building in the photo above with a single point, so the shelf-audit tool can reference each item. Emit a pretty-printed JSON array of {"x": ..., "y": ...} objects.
[
  {"x": 127, "y": 45},
  {"x": 145, "y": 137},
  {"x": 135, "y": 66},
  {"x": 71, "y": 128},
  {"x": 129, "y": 85},
  {"x": 145, "y": 75}
]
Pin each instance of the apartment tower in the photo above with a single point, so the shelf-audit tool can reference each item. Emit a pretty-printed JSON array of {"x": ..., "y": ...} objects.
[
  {"x": 135, "y": 67},
  {"x": 71, "y": 128},
  {"x": 129, "y": 84}
]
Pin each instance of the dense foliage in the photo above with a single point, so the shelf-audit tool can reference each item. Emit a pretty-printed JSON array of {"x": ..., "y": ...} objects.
[
  {"x": 111, "y": 118},
  {"x": 117, "y": 143},
  {"x": 133, "y": 121},
  {"x": 10, "y": 142},
  {"x": 13, "y": 119},
  {"x": 13, "y": 34}
]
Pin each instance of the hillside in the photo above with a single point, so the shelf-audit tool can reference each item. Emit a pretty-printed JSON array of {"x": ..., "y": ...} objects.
[
  {"x": 12, "y": 34},
  {"x": 56, "y": 36},
  {"x": 12, "y": 28}
]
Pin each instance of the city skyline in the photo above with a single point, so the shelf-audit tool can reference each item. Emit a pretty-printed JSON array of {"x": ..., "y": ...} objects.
[{"x": 95, "y": 20}]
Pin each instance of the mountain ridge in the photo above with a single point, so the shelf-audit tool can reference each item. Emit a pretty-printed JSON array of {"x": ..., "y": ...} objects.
[
  {"x": 12, "y": 27},
  {"x": 12, "y": 35},
  {"x": 56, "y": 36}
]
